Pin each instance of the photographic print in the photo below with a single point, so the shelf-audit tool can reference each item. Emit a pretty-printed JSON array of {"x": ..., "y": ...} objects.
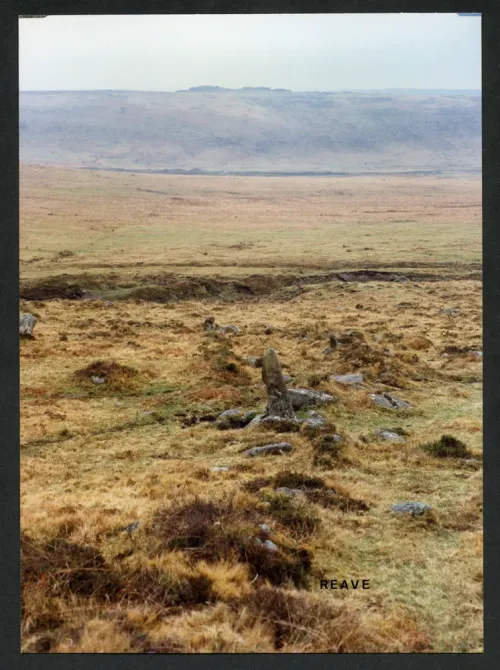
[{"x": 251, "y": 334}]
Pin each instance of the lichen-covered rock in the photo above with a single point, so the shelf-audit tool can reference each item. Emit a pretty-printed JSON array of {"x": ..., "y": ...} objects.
[
  {"x": 389, "y": 401},
  {"x": 269, "y": 449},
  {"x": 412, "y": 508},
  {"x": 305, "y": 398},
  {"x": 229, "y": 329},
  {"x": 348, "y": 380},
  {"x": 315, "y": 424},
  {"x": 26, "y": 324},
  {"x": 388, "y": 436}
]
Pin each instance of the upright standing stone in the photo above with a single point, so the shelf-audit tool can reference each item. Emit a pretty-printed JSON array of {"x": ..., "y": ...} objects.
[
  {"x": 26, "y": 324},
  {"x": 278, "y": 403}
]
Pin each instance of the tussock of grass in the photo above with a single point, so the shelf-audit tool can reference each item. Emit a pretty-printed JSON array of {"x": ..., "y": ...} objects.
[
  {"x": 117, "y": 377},
  {"x": 447, "y": 447},
  {"x": 224, "y": 531}
]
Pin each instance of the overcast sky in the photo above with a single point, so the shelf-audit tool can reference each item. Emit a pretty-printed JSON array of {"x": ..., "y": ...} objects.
[{"x": 296, "y": 51}]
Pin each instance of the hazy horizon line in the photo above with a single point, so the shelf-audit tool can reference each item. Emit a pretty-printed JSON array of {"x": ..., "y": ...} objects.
[{"x": 215, "y": 87}]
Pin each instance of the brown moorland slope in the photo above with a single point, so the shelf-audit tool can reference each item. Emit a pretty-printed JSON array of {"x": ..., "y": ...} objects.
[{"x": 211, "y": 128}]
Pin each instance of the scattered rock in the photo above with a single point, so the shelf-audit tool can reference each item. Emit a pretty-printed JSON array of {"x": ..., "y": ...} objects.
[
  {"x": 389, "y": 401},
  {"x": 413, "y": 508},
  {"x": 450, "y": 311},
  {"x": 279, "y": 403},
  {"x": 270, "y": 545},
  {"x": 477, "y": 354},
  {"x": 388, "y": 435},
  {"x": 287, "y": 379},
  {"x": 269, "y": 449},
  {"x": 26, "y": 324},
  {"x": 229, "y": 329},
  {"x": 269, "y": 330},
  {"x": 99, "y": 380},
  {"x": 211, "y": 325},
  {"x": 315, "y": 424},
  {"x": 348, "y": 380},
  {"x": 304, "y": 398},
  {"x": 234, "y": 418},
  {"x": 219, "y": 468}
]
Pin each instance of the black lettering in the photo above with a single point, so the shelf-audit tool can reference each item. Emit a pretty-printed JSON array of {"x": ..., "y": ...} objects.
[
  {"x": 333, "y": 584},
  {"x": 366, "y": 583},
  {"x": 354, "y": 583},
  {"x": 323, "y": 584},
  {"x": 343, "y": 585}
]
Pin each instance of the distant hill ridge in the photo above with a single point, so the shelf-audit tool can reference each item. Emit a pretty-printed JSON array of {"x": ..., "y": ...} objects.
[{"x": 253, "y": 130}]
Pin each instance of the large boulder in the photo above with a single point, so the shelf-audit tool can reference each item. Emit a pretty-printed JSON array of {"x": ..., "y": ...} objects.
[{"x": 306, "y": 398}]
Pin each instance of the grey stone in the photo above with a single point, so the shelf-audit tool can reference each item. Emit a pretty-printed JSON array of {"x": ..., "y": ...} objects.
[
  {"x": 314, "y": 424},
  {"x": 229, "y": 329},
  {"x": 450, "y": 311},
  {"x": 219, "y": 468},
  {"x": 255, "y": 421},
  {"x": 98, "y": 380},
  {"x": 287, "y": 379},
  {"x": 389, "y": 435},
  {"x": 413, "y": 508},
  {"x": 270, "y": 545},
  {"x": 304, "y": 398},
  {"x": 269, "y": 449},
  {"x": 26, "y": 324},
  {"x": 477, "y": 354},
  {"x": 279, "y": 403},
  {"x": 356, "y": 378},
  {"x": 389, "y": 401}
]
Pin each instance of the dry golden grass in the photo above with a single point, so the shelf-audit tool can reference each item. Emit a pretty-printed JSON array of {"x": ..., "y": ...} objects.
[
  {"x": 240, "y": 225},
  {"x": 95, "y": 458}
]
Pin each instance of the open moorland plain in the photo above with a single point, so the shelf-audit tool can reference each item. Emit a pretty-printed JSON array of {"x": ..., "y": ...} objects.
[{"x": 123, "y": 383}]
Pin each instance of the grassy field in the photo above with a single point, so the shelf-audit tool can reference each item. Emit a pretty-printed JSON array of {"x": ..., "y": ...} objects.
[{"x": 97, "y": 457}]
